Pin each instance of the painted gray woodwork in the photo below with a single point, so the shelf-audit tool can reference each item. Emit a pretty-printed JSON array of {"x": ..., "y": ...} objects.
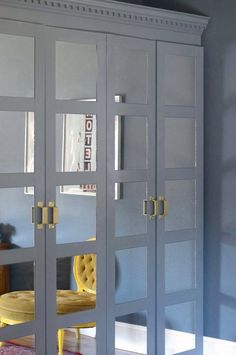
[
  {"x": 125, "y": 220},
  {"x": 99, "y": 314},
  {"x": 21, "y": 180},
  {"x": 131, "y": 72},
  {"x": 185, "y": 197}
]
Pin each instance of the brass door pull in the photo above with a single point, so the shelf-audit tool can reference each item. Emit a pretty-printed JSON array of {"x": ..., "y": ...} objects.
[
  {"x": 155, "y": 207},
  {"x": 165, "y": 209},
  {"x": 145, "y": 204},
  {"x": 40, "y": 215},
  {"x": 55, "y": 215}
]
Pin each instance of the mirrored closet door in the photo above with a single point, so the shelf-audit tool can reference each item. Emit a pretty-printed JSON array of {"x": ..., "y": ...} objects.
[
  {"x": 22, "y": 186},
  {"x": 100, "y": 193}
]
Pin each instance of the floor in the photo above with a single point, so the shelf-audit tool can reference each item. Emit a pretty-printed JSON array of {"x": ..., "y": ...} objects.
[{"x": 85, "y": 345}]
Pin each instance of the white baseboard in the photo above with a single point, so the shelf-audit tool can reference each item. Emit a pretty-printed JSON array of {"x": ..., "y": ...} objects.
[{"x": 133, "y": 338}]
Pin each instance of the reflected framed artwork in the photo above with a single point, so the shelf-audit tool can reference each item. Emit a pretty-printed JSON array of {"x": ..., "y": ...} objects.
[
  {"x": 79, "y": 150},
  {"x": 29, "y": 148}
]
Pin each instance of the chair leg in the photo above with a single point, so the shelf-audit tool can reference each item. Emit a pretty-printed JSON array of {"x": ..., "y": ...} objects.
[
  {"x": 2, "y": 325},
  {"x": 60, "y": 337},
  {"x": 77, "y": 333}
]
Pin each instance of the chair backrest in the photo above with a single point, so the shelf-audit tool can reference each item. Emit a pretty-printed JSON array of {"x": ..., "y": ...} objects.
[{"x": 84, "y": 269}]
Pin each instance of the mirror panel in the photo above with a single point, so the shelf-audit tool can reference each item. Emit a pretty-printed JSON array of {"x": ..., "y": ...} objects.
[
  {"x": 181, "y": 195},
  {"x": 180, "y": 80},
  {"x": 129, "y": 219},
  {"x": 131, "y": 274},
  {"x": 17, "y": 296},
  {"x": 17, "y": 141},
  {"x": 77, "y": 206},
  {"x": 131, "y": 139},
  {"x": 18, "y": 346},
  {"x": 76, "y": 142},
  {"x": 130, "y": 74},
  {"x": 76, "y": 71},
  {"x": 16, "y": 228},
  {"x": 180, "y": 143},
  {"x": 180, "y": 328},
  {"x": 180, "y": 266},
  {"x": 131, "y": 334},
  {"x": 16, "y": 66}
]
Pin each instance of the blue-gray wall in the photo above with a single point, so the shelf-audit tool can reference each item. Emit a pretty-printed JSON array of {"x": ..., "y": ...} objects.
[{"x": 220, "y": 160}]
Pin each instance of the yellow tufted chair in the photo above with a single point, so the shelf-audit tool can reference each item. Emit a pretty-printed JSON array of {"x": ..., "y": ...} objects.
[{"x": 18, "y": 306}]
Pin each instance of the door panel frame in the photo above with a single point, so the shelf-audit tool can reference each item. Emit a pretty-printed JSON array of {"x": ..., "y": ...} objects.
[
  {"x": 146, "y": 175},
  {"x": 54, "y": 178},
  {"x": 163, "y": 174},
  {"x": 10, "y": 180}
]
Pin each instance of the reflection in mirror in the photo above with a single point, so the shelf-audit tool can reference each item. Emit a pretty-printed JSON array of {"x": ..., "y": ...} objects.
[
  {"x": 17, "y": 346},
  {"x": 180, "y": 266},
  {"x": 180, "y": 143},
  {"x": 181, "y": 193},
  {"x": 131, "y": 334},
  {"x": 77, "y": 206},
  {"x": 180, "y": 328},
  {"x": 130, "y": 138},
  {"x": 16, "y": 142},
  {"x": 16, "y": 66},
  {"x": 76, "y": 142},
  {"x": 131, "y": 274},
  {"x": 76, "y": 71},
  {"x": 77, "y": 339},
  {"x": 76, "y": 291},
  {"x": 130, "y": 73},
  {"x": 16, "y": 293},
  {"x": 129, "y": 219},
  {"x": 16, "y": 229}
]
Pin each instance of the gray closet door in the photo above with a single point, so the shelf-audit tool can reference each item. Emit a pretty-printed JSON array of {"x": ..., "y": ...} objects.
[
  {"x": 131, "y": 179},
  {"x": 22, "y": 177},
  {"x": 180, "y": 183},
  {"x": 76, "y": 174}
]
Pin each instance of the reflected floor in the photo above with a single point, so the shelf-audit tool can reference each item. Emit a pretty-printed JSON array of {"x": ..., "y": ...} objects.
[{"x": 85, "y": 345}]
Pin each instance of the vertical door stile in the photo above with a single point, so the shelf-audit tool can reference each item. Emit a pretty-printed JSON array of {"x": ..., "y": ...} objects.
[
  {"x": 50, "y": 136},
  {"x": 101, "y": 331},
  {"x": 152, "y": 244},
  {"x": 39, "y": 191},
  {"x": 160, "y": 258}
]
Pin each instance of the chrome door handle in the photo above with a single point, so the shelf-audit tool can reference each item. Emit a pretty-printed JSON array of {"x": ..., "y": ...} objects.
[
  {"x": 118, "y": 99},
  {"x": 117, "y": 149}
]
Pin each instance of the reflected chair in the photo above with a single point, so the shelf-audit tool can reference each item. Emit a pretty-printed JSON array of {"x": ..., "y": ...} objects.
[{"x": 18, "y": 306}]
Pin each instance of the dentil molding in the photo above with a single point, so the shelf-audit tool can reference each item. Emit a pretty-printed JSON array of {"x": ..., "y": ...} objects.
[{"x": 120, "y": 12}]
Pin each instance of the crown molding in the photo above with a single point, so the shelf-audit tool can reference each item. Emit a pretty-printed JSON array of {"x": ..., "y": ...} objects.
[{"x": 117, "y": 11}]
